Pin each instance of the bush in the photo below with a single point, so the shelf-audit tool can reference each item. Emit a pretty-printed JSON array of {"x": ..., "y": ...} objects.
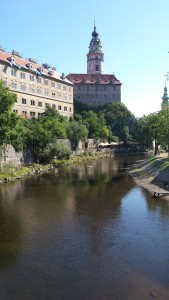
[{"x": 56, "y": 150}]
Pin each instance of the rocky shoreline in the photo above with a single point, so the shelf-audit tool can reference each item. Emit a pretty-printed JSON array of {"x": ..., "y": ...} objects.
[
  {"x": 39, "y": 169},
  {"x": 151, "y": 176}
]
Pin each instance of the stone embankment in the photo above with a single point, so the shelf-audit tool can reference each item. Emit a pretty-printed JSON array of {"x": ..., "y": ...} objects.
[{"x": 152, "y": 174}]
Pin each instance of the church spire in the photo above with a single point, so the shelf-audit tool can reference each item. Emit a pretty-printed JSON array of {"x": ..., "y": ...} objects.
[{"x": 95, "y": 56}]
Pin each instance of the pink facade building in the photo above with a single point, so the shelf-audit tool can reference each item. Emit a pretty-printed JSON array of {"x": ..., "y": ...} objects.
[{"x": 95, "y": 88}]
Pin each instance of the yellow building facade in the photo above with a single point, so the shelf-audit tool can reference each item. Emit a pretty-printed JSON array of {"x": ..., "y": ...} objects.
[{"x": 36, "y": 86}]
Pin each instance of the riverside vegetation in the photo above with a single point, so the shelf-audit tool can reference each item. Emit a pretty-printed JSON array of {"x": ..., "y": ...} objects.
[
  {"x": 10, "y": 173},
  {"x": 110, "y": 122}
]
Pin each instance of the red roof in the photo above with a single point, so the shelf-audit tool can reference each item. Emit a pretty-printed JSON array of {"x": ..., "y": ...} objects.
[
  {"x": 93, "y": 79},
  {"x": 23, "y": 63}
]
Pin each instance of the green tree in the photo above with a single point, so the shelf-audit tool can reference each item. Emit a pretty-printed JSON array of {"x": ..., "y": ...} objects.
[
  {"x": 76, "y": 132},
  {"x": 91, "y": 121},
  {"x": 10, "y": 124},
  {"x": 119, "y": 118},
  {"x": 155, "y": 128},
  {"x": 41, "y": 134}
]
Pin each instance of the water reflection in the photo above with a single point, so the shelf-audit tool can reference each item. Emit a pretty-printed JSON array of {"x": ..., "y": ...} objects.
[
  {"x": 83, "y": 232},
  {"x": 10, "y": 232}
]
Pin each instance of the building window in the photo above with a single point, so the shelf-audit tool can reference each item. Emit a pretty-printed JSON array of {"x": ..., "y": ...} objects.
[
  {"x": 47, "y": 104},
  {"x": 65, "y": 108},
  {"x": 33, "y": 102},
  {"x": 39, "y": 91},
  {"x": 70, "y": 109},
  {"x": 31, "y": 77},
  {"x": 5, "y": 69},
  {"x": 14, "y": 85},
  {"x": 15, "y": 111},
  {"x": 59, "y": 86},
  {"x": 46, "y": 93},
  {"x": 31, "y": 89},
  {"x": 32, "y": 113},
  {"x": 53, "y": 95},
  {"x": 64, "y": 87},
  {"x": 23, "y": 87},
  {"x": 52, "y": 84},
  {"x": 46, "y": 82},
  {"x": 40, "y": 104},
  {"x": 22, "y": 75},
  {"x": 59, "y": 95},
  {"x": 24, "y": 112},
  {"x": 23, "y": 101},
  {"x": 40, "y": 115},
  {"x": 97, "y": 67},
  {"x": 53, "y": 106},
  {"x": 59, "y": 107},
  {"x": 39, "y": 80},
  {"x": 13, "y": 72}
]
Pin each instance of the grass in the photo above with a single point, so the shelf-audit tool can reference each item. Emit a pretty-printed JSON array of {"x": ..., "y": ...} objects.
[
  {"x": 9, "y": 171},
  {"x": 158, "y": 162}
]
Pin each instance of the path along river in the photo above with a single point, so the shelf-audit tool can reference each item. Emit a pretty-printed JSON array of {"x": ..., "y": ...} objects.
[{"x": 86, "y": 232}]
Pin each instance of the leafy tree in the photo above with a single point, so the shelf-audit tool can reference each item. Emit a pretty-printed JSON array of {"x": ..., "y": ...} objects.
[
  {"x": 52, "y": 113},
  {"x": 119, "y": 118},
  {"x": 10, "y": 124},
  {"x": 40, "y": 134},
  {"x": 141, "y": 133},
  {"x": 59, "y": 150},
  {"x": 154, "y": 128},
  {"x": 76, "y": 132},
  {"x": 36, "y": 139},
  {"x": 91, "y": 121}
]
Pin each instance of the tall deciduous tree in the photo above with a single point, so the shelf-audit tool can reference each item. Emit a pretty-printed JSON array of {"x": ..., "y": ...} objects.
[
  {"x": 155, "y": 128},
  {"x": 119, "y": 118},
  {"x": 10, "y": 124},
  {"x": 40, "y": 133},
  {"x": 76, "y": 131}
]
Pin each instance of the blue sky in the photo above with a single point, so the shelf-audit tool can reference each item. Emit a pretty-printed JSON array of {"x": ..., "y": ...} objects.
[{"x": 134, "y": 37}]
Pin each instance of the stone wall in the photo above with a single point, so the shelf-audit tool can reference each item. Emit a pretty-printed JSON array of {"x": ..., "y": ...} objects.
[{"x": 11, "y": 157}]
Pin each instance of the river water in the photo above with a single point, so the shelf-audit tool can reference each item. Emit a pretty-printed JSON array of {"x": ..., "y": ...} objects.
[{"x": 86, "y": 232}]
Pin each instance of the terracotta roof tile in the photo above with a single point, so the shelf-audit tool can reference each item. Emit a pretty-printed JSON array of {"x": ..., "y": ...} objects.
[
  {"x": 24, "y": 63},
  {"x": 93, "y": 79}
]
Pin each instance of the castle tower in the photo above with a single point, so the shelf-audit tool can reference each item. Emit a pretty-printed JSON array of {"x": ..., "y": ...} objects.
[
  {"x": 95, "y": 57},
  {"x": 165, "y": 99}
]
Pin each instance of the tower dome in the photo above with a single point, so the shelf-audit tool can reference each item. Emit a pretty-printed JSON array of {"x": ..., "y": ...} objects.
[{"x": 94, "y": 33}]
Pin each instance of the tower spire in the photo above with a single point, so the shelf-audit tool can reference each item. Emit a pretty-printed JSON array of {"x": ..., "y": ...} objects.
[{"x": 95, "y": 56}]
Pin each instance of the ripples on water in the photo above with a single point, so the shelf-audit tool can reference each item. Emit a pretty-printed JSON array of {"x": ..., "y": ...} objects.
[{"x": 83, "y": 232}]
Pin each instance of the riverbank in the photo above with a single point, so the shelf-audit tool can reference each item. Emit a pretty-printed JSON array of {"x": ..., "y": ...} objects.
[
  {"x": 10, "y": 173},
  {"x": 152, "y": 174}
]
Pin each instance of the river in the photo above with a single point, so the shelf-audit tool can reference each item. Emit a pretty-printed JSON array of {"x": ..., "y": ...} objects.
[{"x": 84, "y": 232}]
